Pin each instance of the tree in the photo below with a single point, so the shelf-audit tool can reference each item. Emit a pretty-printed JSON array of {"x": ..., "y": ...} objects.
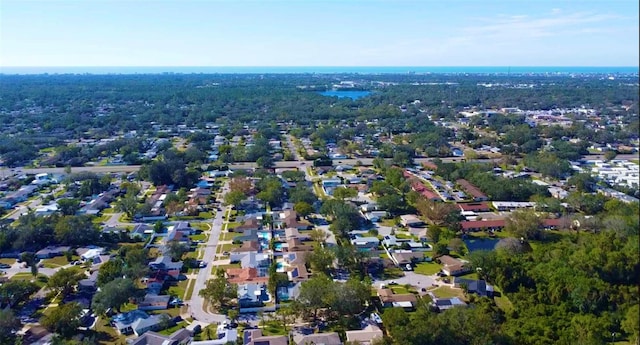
[
  {"x": 176, "y": 250},
  {"x": 526, "y": 224},
  {"x": 303, "y": 208},
  {"x": 9, "y": 325},
  {"x": 434, "y": 232},
  {"x": 511, "y": 245},
  {"x": 457, "y": 245},
  {"x": 610, "y": 155},
  {"x": 14, "y": 292},
  {"x": 286, "y": 315},
  {"x": 65, "y": 280},
  {"x": 240, "y": 184},
  {"x": 234, "y": 198},
  {"x": 265, "y": 162},
  {"x": 631, "y": 324},
  {"x": 76, "y": 230},
  {"x": 439, "y": 213},
  {"x": 114, "y": 294},
  {"x": 342, "y": 193},
  {"x": 128, "y": 204},
  {"x": 321, "y": 260},
  {"x": 109, "y": 271},
  {"x": 393, "y": 203},
  {"x": 318, "y": 235},
  {"x": 584, "y": 183},
  {"x": 276, "y": 279},
  {"x": 440, "y": 249},
  {"x": 68, "y": 207},
  {"x": 315, "y": 294},
  {"x": 64, "y": 320},
  {"x": 218, "y": 291}
]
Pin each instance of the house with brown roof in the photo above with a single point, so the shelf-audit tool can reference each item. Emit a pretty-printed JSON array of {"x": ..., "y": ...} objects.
[
  {"x": 474, "y": 207},
  {"x": 472, "y": 190},
  {"x": 317, "y": 338},
  {"x": 255, "y": 337},
  {"x": 295, "y": 245},
  {"x": 289, "y": 219},
  {"x": 404, "y": 257},
  {"x": 252, "y": 223},
  {"x": 244, "y": 275},
  {"x": 290, "y": 233},
  {"x": 452, "y": 266},
  {"x": 389, "y": 299}
]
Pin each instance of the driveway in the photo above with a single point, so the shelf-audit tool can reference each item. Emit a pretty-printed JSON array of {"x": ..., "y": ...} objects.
[{"x": 416, "y": 280}]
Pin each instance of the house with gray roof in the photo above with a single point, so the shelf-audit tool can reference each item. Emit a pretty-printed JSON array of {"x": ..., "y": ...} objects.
[{"x": 180, "y": 337}]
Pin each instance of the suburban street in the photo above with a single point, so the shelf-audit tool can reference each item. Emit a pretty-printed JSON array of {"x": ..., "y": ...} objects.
[{"x": 196, "y": 306}]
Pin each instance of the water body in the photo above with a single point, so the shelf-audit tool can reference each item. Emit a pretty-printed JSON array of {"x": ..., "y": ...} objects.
[
  {"x": 323, "y": 69},
  {"x": 343, "y": 94},
  {"x": 481, "y": 244}
]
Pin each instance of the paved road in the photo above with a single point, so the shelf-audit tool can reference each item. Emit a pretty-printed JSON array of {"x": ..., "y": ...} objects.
[
  {"x": 249, "y": 165},
  {"x": 416, "y": 280},
  {"x": 17, "y": 268},
  {"x": 196, "y": 306}
]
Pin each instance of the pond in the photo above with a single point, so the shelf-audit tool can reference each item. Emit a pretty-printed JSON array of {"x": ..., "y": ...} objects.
[
  {"x": 342, "y": 94},
  {"x": 481, "y": 244}
]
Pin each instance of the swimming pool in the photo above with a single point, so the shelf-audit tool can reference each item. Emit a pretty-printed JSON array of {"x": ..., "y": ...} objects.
[{"x": 278, "y": 247}]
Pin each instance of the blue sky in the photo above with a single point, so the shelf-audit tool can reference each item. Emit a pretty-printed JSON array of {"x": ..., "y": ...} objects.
[{"x": 319, "y": 33}]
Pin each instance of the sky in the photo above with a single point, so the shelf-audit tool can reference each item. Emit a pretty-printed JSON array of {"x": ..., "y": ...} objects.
[{"x": 319, "y": 33}]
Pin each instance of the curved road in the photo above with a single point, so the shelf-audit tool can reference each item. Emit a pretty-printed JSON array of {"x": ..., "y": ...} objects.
[{"x": 196, "y": 306}]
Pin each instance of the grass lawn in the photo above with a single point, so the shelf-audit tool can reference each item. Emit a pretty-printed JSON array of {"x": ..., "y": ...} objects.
[
  {"x": 198, "y": 237},
  {"x": 100, "y": 219},
  {"x": 224, "y": 267},
  {"x": 201, "y": 226},
  {"x": 8, "y": 261},
  {"x": 190, "y": 289},
  {"x": 170, "y": 330},
  {"x": 472, "y": 276},
  {"x": 447, "y": 292},
  {"x": 502, "y": 301},
  {"x": 399, "y": 289},
  {"x": 124, "y": 219},
  {"x": 229, "y": 236},
  {"x": 58, "y": 261},
  {"x": 233, "y": 225},
  {"x": 636, "y": 161},
  {"x": 205, "y": 215},
  {"x": 227, "y": 247},
  {"x": 428, "y": 268},
  {"x": 389, "y": 222},
  {"x": 178, "y": 289},
  {"x": 108, "y": 335},
  {"x": 273, "y": 328},
  {"x": 392, "y": 273},
  {"x": 203, "y": 335},
  {"x": 108, "y": 211}
]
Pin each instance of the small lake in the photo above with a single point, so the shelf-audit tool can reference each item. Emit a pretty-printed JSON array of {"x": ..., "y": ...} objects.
[
  {"x": 342, "y": 94},
  {"x": 481, "y": 244}
]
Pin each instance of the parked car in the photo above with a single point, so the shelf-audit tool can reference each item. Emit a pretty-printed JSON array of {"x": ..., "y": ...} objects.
[{"x": 5, "y": 266}]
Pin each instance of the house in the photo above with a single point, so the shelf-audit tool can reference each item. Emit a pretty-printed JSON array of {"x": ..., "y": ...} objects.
[
  {"x": 365, "y": 242},
  {"x": 138, "y": 322},
  {"x": 295, "y": 245},
  {"x": 251, "y": 223},
  {"x": 442, "y": 304},
  {"x": 512, "y": 205},
  {"x": 178, "y": 236},
  {"x": 141, "y": 230},
  {"x": 474, "y": 207},
  {"x": 46, "y": 210},
  {"x": 389, "y": 299},
  {"x": 89, "y": 253},
  {"x": 452, "y": 266},
  {"x": 180, "y": 337},
  {"x": 472, "y": 190},
  {"x": 154, "y": 302},
  {"x": 255, "y": 337},
  {"x": 404, "y": 257},
  {"x": 237, "y": 254},
  {"x": 289, "y": 219},
  {"x": 89, "y": 284},
  {"x": 364, "y": 336},
  {"x": 376, "y": 216},
  {"x": 478, "y": 287},
  {"x": 317, "y": 338},
  {"x": 482, "y": 225},
  {"x": 252, "y": 295},
  {"x": 290, "y": 233},
  {"x": 245, "y": 275},
  {"x": 164, "y": 263},
  {"x": 51, "y": 251},
  {"x": 410, "y": 221}
]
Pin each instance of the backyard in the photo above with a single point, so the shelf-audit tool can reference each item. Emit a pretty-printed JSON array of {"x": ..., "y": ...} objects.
[{"x": 428, "y": 268}]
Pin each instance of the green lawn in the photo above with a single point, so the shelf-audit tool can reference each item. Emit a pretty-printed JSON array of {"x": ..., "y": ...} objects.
[
  {"x": 204, "y": 336},
  {"x": 229, "y": 236},
  {"x": 224, "y": 267},
  {"x": 273, "y": 328},
  {"x": 447, "y": 292},
  {"x": 392, "y": 273},
  {"x": 178, "y": 289},
  {"x": 399, "y": 289},
  {"x": 107, "y": 335},
  {"x": 190, "y": 289},
  {"x": 428, "y": 268},
  {"x": 201, "y": 226},
  {"x": 205, "y": 215},
  {"x": 58, "y": 261},
  {"x": 636, "y": 161},
  {"x": 232, "y": 225},
  {"x": 8, "y": 261},
  {"x": 502, "y": 301},
  {"x": 227, "y": 247},
  {"x": 170, "y": 330},
  {"x": 472, "y": 276},
  {"x": 198, "y": 237}
]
